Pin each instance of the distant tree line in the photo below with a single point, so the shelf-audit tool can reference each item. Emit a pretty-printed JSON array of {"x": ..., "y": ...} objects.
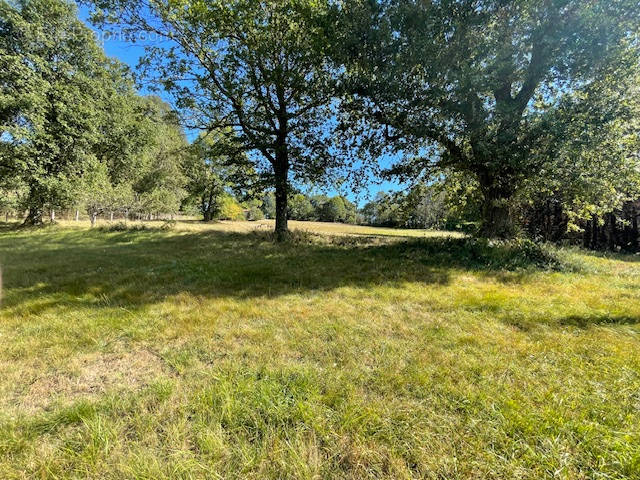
[
  {"x": 317, "y": 208},
  {"x": 424, "y": 206}
]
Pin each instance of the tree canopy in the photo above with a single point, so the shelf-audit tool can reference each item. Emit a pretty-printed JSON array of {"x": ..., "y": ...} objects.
[
  {"x": 470, "y": 86},
  {"x": 58, "y": 79},
  {"x": 74, "y": 131},
  {"x": 259, "y": 68}
]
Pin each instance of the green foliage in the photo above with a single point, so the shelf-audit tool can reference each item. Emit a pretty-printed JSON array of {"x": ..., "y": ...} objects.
[
  {"x": 269, "y": 204},
  {"x": 259, "y": 68},
  {"x": 300, "y": 207},
  {"x": 75, "y": 134},
  {"x": 381, "y": 211},
  {"x": 97, "y": 191},
  {"x": 333, "y": 210},
  {"x": 351, "y": 210},
  {"x": 160, "y": 181},
  {"x": 123, "y": 227},
  {"x": 590, "y": 163},
  {"x": 60, "y": 78},
  {"x": 433, "y": 206},
  {"x": 315, "y": 208},
  {"x": 215, "y": 166},
  {"x": 137, "y": 227},
  {"x": 508, "y": 106},
  {"x": 230, "y": 209},
  {"x": 470, "y": 87},
  {"x": 513, "y": 254},
  {"x": 253, "y": 211},
  {"x": 12, "y": 195}
]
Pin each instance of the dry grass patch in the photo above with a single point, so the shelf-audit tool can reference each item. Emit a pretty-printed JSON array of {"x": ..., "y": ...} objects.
[
  {"x": 266, "y": 226},
  {"x": 87, "y": 377}
]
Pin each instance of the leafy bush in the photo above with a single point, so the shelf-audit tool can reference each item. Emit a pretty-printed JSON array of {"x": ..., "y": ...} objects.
[
  {"x": 121, "y": 227},
  {"x": 481, "y": 253},
  {"x": 230, "y": 209},
  {"x": 254, "y": 213},
  {"x": 465, "y": 227}
]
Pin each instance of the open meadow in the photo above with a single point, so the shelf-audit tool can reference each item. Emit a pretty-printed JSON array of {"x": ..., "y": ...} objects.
[{"x": 208, "y": 351}]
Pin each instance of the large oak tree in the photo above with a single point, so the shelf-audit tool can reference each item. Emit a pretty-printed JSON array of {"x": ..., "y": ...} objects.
[{"x": 475, "y": 78}]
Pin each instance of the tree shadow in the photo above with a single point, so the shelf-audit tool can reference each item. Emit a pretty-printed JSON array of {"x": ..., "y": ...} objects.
[
  {"x": 609, "y": 255},
  {"x": 9, "y": 226},
  {"x": 90, "y": 269},
  {"x": 586, "y": 321}
]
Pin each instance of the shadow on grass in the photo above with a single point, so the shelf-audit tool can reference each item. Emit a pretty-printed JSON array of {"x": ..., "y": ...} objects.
[
  {"x": 134, "y": 268},
  {"x": 9, "y": 226},
  {"x": 586, "y": 321},
  {"x": 620, "y": 256}
]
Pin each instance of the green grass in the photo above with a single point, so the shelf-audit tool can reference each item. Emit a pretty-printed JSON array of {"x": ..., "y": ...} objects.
[{"x": 208, "y": 351}]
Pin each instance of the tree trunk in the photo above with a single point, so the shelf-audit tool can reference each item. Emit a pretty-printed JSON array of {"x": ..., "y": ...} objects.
[
  {"x": 282, "y": 228},
  {"x": 35, "y": 209},
  {"x": 602, "y": 235},
  {"x": 93, "y": 218},
  {"x": 206, "y": 212},
  {"x": 497, "y": 221},
  {"x": 34, "y": 216},
  {"x": 613, "y": 235},
  {"x": 633, "y": 243},
  {"x": 560, "y": 222},
  {"x": 594, "y": 232},
  {"x": 77, "y": 215},
  {"x": 111, "y": 216},
  {"x": 586, "y": 235},
  {"x": 52, "y": 216}
]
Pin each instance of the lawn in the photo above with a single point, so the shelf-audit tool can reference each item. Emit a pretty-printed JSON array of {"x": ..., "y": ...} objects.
[{"x": 208, "y": 351}]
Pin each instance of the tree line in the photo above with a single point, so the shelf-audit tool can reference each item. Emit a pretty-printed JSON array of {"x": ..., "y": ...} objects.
[
  {"x": 75, "y": 134},
  {"x": 513, "y": 116}
]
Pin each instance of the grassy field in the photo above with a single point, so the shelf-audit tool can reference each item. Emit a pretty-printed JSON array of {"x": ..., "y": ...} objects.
[
  {"x": 207, "y": 351},
  {"x": 190, "y": 224}
]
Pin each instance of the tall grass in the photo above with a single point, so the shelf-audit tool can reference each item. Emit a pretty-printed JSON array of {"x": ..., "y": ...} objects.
[{"x": 212, "y": 352}]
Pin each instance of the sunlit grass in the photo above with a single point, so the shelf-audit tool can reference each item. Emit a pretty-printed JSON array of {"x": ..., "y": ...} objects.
[
  {"x": 192, "y": 224},
  {"x": 207, "y": 351}
]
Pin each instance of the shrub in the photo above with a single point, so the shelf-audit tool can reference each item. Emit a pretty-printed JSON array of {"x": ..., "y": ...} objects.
[
  {"x": 168, "y": 225},
  {"x": 481, "y": 253},
  {"x": 254, "y": 213},
  {"x": 230, "y": 209}
]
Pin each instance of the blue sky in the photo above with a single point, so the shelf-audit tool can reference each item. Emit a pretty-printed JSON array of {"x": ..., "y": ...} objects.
[{"x": 130, "y": 53}]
